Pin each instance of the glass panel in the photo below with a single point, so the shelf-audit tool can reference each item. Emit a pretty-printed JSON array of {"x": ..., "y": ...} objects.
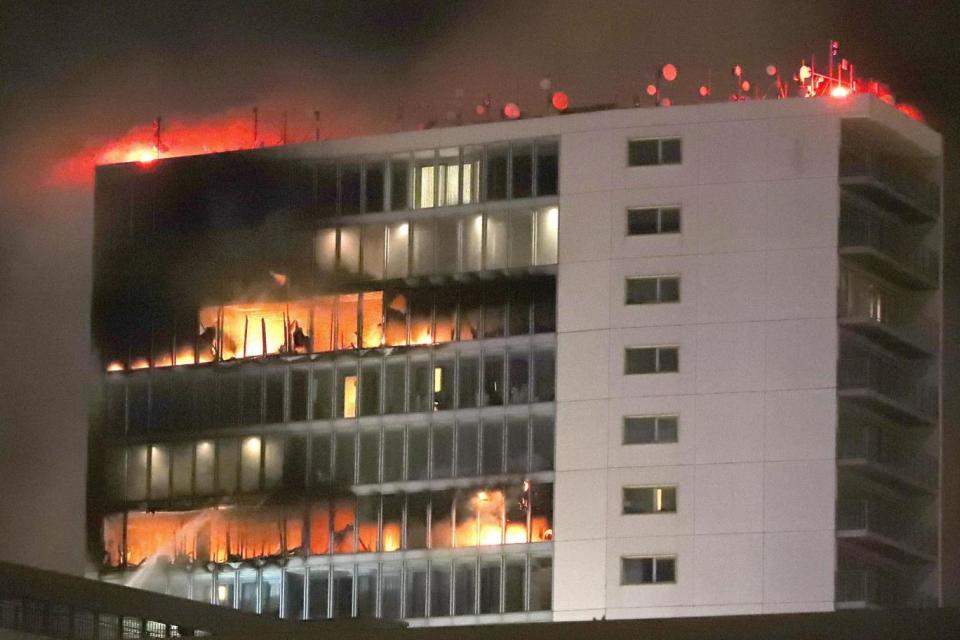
[
  {"x": 368, "y": 514},
  {"x": 445, "y": 316},
  {"x": 320, "y": 529},
  {"x": 270, "y": 592},
  {"x": 667, "y": 429},
  {"x": 470, "y": 314},
  {"x": 347, "y": 391},
  {"x": 139, "y": 402},
  {"x": 442, "y": 451},
  {"x": 439, "y": 589},
  {"x": 273, "y": 462},
  {"x": 396, "y": 312},
  {"x": 342, "y": 592},
  {"x": 293, "y": 592},
  {"x": 465, "y": 533},
  {"x": 517, "y": 434},
  {"x": 541, "y": 517},
  {"x": 518, "y": 373},
  {"x": 548, "y": 224},
  {"x": 642, "y": 222},
  {"x": 250, "y": 452},
  {"x": 418, "y": 506},
  {"x": 424, "y": 241},
  {"x": 398, "y": 236},
  {"x": 513, "y": 582},
  {"x": 325, "y": 250},
  {"x": 344, "y": 525},
  {"x": 159, "y": 472},
  {"x": 521, "y": 238},
  {"x": 472, "y": 244},
  {"x": 393, "y": 455},
  {"x": 202, "y": 587},
  {"x": 274, "y": 381},
  {"x": 447, "y": 245},
  {"x": 399, "y": 183},
  {"x": 390, "y": 576},
  {"x": 542, "y": 443},
  {"x": 448, "y": 177},
  {"x": 470, "y": 170},
  {"x": 517, "y": 505},
  {"x": 374, "y": 179},
  {"x": 490, "y": 584},
  {"x": 295, "y": 463},
  {"x": 491, "y": 459},
  {"x": 416, "y": 590},
  {"x": 670, "y": 220},
  {"x": 642, "y": 153},
  {"x": 323, "y": 393},
  {"x": 522, "y": 183},
  {"x": 350, "y": 249},
  {"x": 495, "y": 243},
  {"x": 421, "y": 383},
  {"x": 323, "y": 326},
  {"x": 494, "y": 312},
  {"x": 466, "y": 449},
  {"x": 668, "y": 360},
  {"x": 252, "y": 394},
  {"x": 369, "y": 456},
  {"x": 541, "y": 583},
  {"x": 465, "y": 580},
  {"x": 228, "y": 457},
  {"x": 543, "y": 376},
  {"x": 492, "y": 379},
  {"x": 441, "y": 519},
  {"x": 545, "y": 307},
  {"x": 370, "y": 387},
  {"x": 374, "y": 247},
  {"x": 299, "y": 388},
  {"x": 443, "y": 382},
  {"x": 319, "y": 592},
  {"x": 350, "y": 188},
  {"x": 327, "y": 190},
  {"x": 391, "y": 537},
  {"x": 670, "y": 151},
  {"x": 372, "y": 308},
  {"x": 395, "y": 385},
  {"x": 496, "y": 173},
  {"x": 204, "y": 468},
  {"x": 417, "y": 456},
  {"x": 347, "y": 313},
  {"x": 345, "y": 450},
  {"x": 226, "y": 581},
  {"x": 321, "y": 458},
  {"x": 639, "y": 429},
  {"x": 518, "y": 311},
  {"x": 425, "y": 179},
  {"x": 548, "y": 166}
]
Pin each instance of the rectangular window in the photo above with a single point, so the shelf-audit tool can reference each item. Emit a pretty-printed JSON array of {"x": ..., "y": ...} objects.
[
  {"x": 653, "y": 151},
  {"x": 648, "y": 570},
  {"x": 399, "y": 183},
  {"x": 653, "y": 220},
  {"x": 374, "y": 179},
  {"x": 643, "y": 500},
  {"x": 639, "y": 360},
  {"x": 652, "y": 290},
  {"x": 649, "y": 429}
]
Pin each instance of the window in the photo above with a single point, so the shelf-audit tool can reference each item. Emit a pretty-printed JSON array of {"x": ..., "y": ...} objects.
[
  {"x": 651, "y": 360},
  {"x": 653, "y": 151},
  {"x": 652, "y": 290},
  {"x": 648, "y": 570},
  {"x": 650, "y": 221},
  {"x": 643, "y": 500},
  {"x": 649, "y": 429}
]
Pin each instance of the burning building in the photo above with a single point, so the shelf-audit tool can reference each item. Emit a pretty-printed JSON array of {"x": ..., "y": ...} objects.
[{"x": 627, "y": 363}]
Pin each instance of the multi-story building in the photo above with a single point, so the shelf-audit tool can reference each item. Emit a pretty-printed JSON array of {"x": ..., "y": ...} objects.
[{"x": 624, "y": 363}]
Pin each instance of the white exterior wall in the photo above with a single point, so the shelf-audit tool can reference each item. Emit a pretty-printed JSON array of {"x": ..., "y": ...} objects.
[{"x": 756, "y": 389}]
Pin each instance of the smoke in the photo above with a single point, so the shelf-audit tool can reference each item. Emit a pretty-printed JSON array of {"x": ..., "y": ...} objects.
[{"x": 83, "y": 83}]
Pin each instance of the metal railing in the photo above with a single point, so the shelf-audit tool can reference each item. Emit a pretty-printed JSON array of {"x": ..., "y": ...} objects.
[
  {"x": 862, "y": 227},
  {"x": 892, "y": 314},
  {"x": 868, "y": 444},
  {"x": 886, "y": 520},
  {"x": 874, "y": 588},
  {"x": 888, "y": 170},
  {"x": 884, "y": 377}
]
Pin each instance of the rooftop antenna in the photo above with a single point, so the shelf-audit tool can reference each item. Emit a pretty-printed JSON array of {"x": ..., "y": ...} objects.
[
  {"x": 706, "y": 89},
  {"x": 316, "y": 125},
  {"x": 667, "y": 73}
]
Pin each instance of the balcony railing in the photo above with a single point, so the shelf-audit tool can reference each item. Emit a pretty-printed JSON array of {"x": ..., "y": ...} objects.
[
  {"x": 885, "y": 527},
  {"x": 884, "y": 386},
  {"x": 872, "y": 589},
  {"x": 886, "y": 459},
  {"x": 878, "y": 177},
  {"x": 888, "y": 324},
  {"x": 889, "y": 248}
]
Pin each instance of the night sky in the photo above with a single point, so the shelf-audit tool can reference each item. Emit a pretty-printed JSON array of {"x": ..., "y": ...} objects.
[{"x": 73, "y": 76}]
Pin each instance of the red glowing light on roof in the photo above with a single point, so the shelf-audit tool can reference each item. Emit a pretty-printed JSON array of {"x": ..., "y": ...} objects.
[
  {"x": 511, "y": 111},
  {"x": 560, "y": 101},
  {"x": 911, "y": 111},
  {"x": 840, "y": 91},
  {"x": 704, "y": 91},
  {"x": 651, "y": 89},
  {"x": 669, "y": 72}
]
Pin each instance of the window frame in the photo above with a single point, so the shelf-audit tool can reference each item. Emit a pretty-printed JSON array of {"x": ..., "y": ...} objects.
[
  {"x": 656, "y": 429},
  {"x": 654, "y": 488},
  {"x": 657, "y": 357},
  {"x": 659, "y": 140},
  {"x": 656, "y": 560},
  {"x": 659, "y": 212},
  {"x": 658, "y": 298}
]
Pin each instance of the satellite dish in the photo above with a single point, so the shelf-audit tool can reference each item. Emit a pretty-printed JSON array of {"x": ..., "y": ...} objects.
[
  {"x": 545, "y": 84},
  {"x": 668, "y": 72},
  {"x": 511, "y": 111},
  {"x": 560, "y": 101}
]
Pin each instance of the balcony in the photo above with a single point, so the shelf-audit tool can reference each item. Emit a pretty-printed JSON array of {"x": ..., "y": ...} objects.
[
  {"x": 865, "y": 451},
  {"x": 885, "y": 180},
  {"x": 885, "y": 529},
  {"x": 886, "y": 388},
  {"x": 874, "y": 589},
  {"x": 885, "y": 247},
  {"x": 884, "y": 318}
]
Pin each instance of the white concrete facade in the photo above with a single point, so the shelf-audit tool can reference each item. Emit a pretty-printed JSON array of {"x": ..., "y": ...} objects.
[{"x": 756, "y": 326}]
